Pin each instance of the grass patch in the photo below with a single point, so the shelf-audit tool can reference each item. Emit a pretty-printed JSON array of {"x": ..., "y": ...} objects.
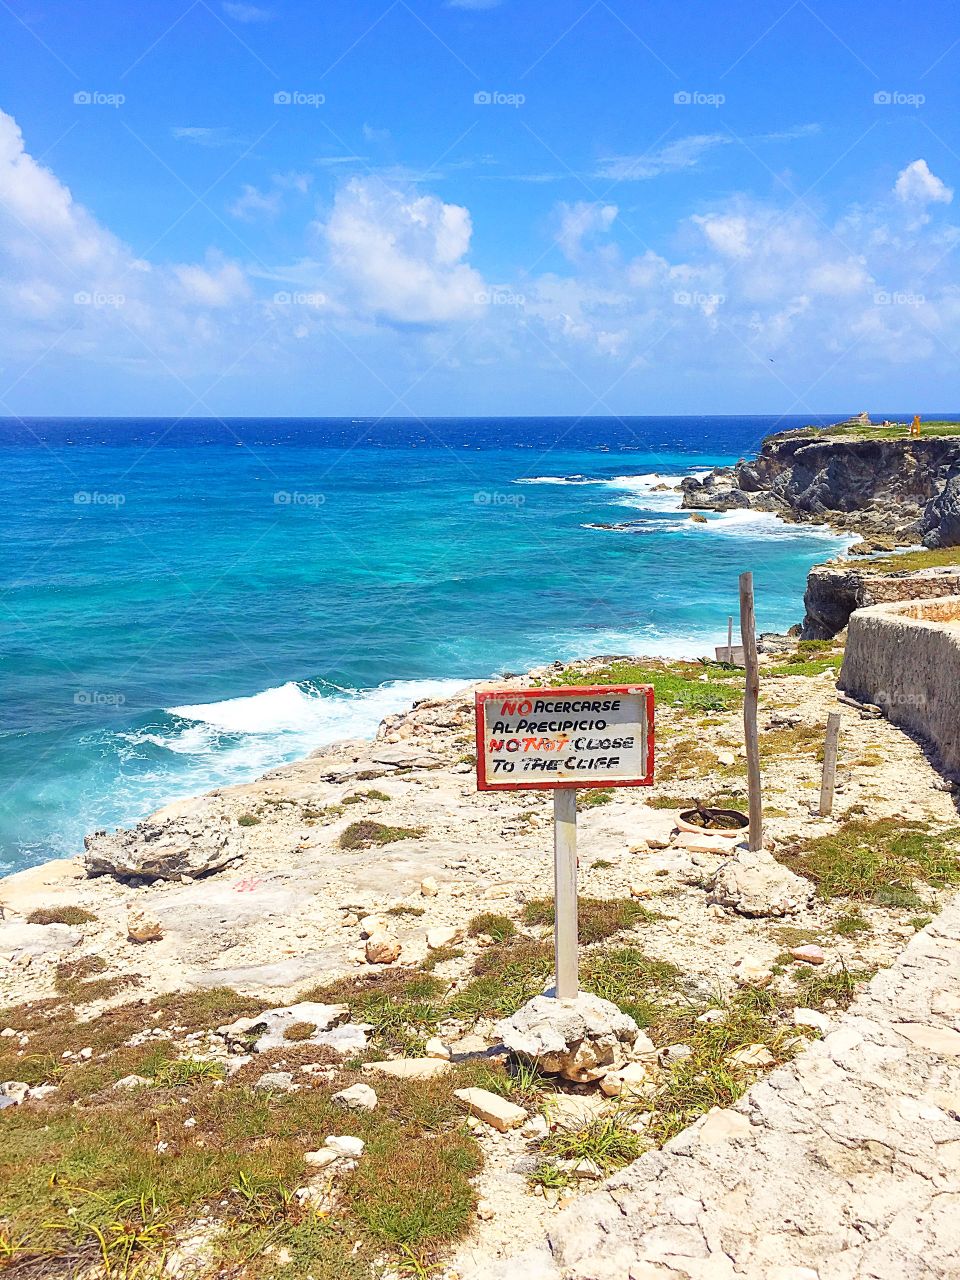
[
  {"x": 599, "y": 918},
  {"x": 441, "y": 955},
  {"x": 694, "y": 687},
  {"x": 594, "y": 797},
  {"x": 632, "y": 980},
  {"x": 800, "y": 667},
  {"x": 839, "y": 985},
  {"x": 910, "y": 561},
  {"x": 76, "y": 980},
  {"x": 298, "y": 1031},
  {"x": 405, "y": 909},
  {"x": 879, "y": 861},
  {"x": 850, "y": 924},
  {"x": 403, "y": 1007},
  {"x": 358, "y": 797},
  {"x": 61, "y": 915},
  {"x": 504, "y": 978},
  {"x": 669, "y": 802},
  {"x": 183, "y": 1071},
  {"x": 606, "y": 1141},
  {"x": 248, "y": 820},
  {"x": 601, "y": 864},
  {"x": 500, "y": 928},
  {"x": 362, "y": 834}
]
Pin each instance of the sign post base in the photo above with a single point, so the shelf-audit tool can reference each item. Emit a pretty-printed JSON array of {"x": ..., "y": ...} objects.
[{"x": 565, "y": 891}]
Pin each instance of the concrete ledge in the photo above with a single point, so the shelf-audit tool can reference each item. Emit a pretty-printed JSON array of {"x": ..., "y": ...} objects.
[{"x": 905, "y": 658}]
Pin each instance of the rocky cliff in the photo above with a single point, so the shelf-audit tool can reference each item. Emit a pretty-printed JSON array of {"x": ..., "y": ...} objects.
[
  {"x": 835, "y": 590},
  {"x": 890, "y": 492}
]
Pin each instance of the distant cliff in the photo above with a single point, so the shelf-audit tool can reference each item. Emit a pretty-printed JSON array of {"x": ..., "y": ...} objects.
[{"x": 889, "y": 491}]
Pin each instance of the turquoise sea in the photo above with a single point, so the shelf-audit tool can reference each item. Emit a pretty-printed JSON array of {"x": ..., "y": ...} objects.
[{"x": 186, "y": 603}]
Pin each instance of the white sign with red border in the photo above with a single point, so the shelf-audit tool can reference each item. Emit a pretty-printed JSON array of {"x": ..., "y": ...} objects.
[{"x": 584, "y": 736}]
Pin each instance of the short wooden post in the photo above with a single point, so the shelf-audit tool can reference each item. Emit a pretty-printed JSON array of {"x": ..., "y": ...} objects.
[
  {"x": 751, "y": 700},
  {"x": 829, "y": 779},
  {"x": 730, "y": 639},
  {"x": 565, "y": 891}
]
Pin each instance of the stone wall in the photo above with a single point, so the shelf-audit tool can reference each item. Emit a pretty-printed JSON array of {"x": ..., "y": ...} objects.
[
  {"x": 834, "y": 591},
  {"x": 906, "y": 658}
]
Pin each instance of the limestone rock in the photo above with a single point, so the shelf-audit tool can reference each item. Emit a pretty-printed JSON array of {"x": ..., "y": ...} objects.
[
  {"x": 435, "y": 1048},
  {"x": 276, "y": 1082},
  {"x": 636, "y": 1079},
  {"x": 429, "y": 887},
  {"x": 811, "y": 1018},
  {"x": 753, "y": 1055},
  {"x": 500, "y": 1113},
  {"x": 359, "y": 1097},
  {"x": 443, "y": 936},
  {"x": 267, "y": 1030},
  {"x": 346, "y": 1147},
  {"x": 131, "y": 1082},
  {"x": 165, "y": 850},
  {"x": 750, "y": 972},
  {"x": 383, "y": 948},
  {"x": 143, "y": 927},
  {"x": 809, "y": 953},
  {"x": 579, "y": 1039},
  {"x": 755, "y": 884},
  {"x": 409, "y": 1068}
]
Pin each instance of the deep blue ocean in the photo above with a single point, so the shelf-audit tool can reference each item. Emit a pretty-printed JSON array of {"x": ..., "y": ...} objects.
[{"x": 188, "y": 603}]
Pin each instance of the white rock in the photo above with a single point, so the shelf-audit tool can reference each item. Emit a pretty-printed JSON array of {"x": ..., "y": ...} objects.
[
  {"x": 485, "y": 1210},
  {"x": 321, "y": 1159},
  {"x": 581, "y": 1168},
  {"x": 142, "y": 927},
  {"x": 435, "y": 1048},
  {"x": 712, "y": 1015},
  {"x": 382, "y": 948},
  {"x": 720, "y": 1125},
  {"x": 359, "y": 1097},
  {"x": 809, "y": 953},
  {"x": 726, "y": 758},
  {"x": 346, "y": 1147},
  {"x": 579, "y": 1039},
  {"x": 408, "y": 1068},
  {"x": 636, "y": 1079},
  {"x": 750, "y": 972},
  {"x": 755, "y": 884},
  {"x": 753, "y": 1055},
  {"x": 500, "y": 1113},
  {"x": 369, "y": 925},
  {"x": 131, "y": 1082},
  {"x": 429, "y": 887},
  {"x": 444, "y": 936},
  {"x": 811, "y": 1018}
]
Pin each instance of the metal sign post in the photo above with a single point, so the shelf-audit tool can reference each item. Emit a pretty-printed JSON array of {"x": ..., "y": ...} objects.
[{"x": 559, "y": 740}]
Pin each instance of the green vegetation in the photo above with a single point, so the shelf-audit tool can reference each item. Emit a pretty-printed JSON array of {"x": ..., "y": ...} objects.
[
  {"x": 61, "y": 915},
  {"x": 850, "y": 924},
  {"x": 500, "y": 928},
  {"x": 607, "y": 1142},
  {"x": 405, "y": 909},
  {"x": 633, "y": 980},
  {"x": 694, "y": 687},
  {"x": 362, "y": 834},
  {"x": 298, "y": 1031},
  {"x": 594, "y": 797},
  {"x": 936, "y": 427},
  {"x": 359, "y": 796},
  {"x": 839, "y": 985},
  {"x": 601, "y": 864},
  {"x": 599, "y": 917},
  {"x": 402, "y": 1006},
  {"x": 107, "y": 1188},
  {"x": 879, "y": 861},
  {"x": 909, "y": 561},
  {"x": 76, "y": 980},
  {"x": 809, "y": 667},
  {"x": 248, "y": 820}
]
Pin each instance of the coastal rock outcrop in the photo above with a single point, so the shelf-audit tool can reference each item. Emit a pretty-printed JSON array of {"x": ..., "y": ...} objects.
[
  {"x": 165, "y": 850},
  {"x": 907, "y": 490},
  {"x": 834, "y": 591}
]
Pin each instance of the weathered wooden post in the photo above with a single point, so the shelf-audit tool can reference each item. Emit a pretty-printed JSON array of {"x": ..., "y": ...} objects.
[
  {"x": 751, "y": 700},
  {"x": 829, "y": 779}
]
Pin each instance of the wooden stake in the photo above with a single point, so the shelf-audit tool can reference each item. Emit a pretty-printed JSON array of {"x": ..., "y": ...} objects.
[
  {"x": 565, "y": 891},
  {"x": 751, "y": 699},
  {"x": 730, "y": 639},
  {"x": 829, "y": 764}
]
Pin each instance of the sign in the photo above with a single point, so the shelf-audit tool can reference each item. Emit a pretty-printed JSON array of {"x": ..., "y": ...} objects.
[{"x": 588, "y": 736}]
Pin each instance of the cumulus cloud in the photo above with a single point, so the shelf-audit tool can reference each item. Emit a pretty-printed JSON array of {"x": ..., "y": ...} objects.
[
  {"x": 252, "y": 203},
  {"x": 918, "y": 186},
  {"x": 577, "y": 221},
  {"x": 217, "y": 285},
  {"x": 399, "y": 255}
]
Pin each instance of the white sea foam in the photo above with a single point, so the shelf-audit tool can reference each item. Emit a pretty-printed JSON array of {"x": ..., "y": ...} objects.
[{"x": 302, "y": 711}]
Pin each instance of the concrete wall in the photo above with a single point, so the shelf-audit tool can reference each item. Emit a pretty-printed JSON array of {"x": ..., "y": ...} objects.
[{"x": 906, "y": 658}]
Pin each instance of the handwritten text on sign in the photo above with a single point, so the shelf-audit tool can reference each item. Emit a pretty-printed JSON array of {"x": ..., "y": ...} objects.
[{"x": 600, "y": 736}]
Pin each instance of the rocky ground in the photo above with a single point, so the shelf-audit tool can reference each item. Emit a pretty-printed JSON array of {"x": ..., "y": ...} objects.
[{"x": 374, "y": 863}]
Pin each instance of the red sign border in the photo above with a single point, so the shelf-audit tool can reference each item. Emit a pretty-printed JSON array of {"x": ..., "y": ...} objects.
[{"x": 484, "y": 695}]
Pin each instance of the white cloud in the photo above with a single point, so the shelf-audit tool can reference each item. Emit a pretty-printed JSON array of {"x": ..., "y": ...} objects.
[
  {"x": 727, "y": 233},
  {"x": 246, "y": 12},
  {"x": 577, "y": 221},
  {"x": 918, "y": 186},
  {"x": 252, "y": 203},
  {"x": 373, "y": 134},
  {"x": 203, "y": 136},
  {"x": 220, "y": 285},
  {"x": 399, "y": 255}
]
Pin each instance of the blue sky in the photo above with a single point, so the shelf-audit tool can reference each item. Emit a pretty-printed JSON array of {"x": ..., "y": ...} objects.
[{"x": 471, "y": 207}]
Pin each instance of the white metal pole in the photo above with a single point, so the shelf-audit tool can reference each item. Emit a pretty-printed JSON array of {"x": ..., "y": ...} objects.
[{"x": 565, "y": 891}]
